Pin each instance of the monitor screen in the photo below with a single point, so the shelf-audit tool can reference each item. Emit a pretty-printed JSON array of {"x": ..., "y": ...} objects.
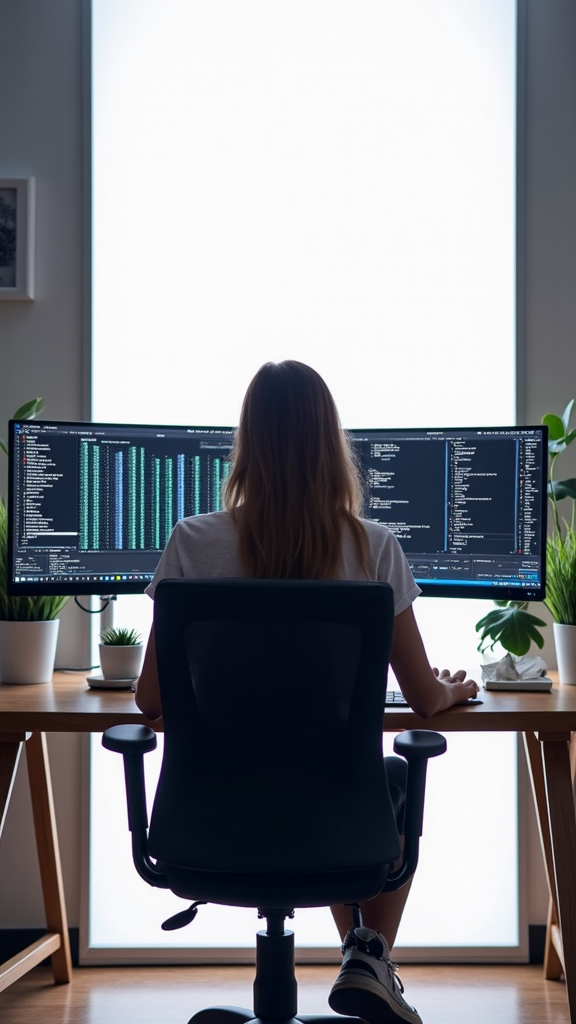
[
  {"x": 468, "y": 506},
  {"x": 92, "y": 504}
]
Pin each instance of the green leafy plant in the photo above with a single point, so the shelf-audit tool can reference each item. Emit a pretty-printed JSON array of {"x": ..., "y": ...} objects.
[
  {"x": 561, "y": 581},
  {"x": 120, "y": 636},
  {"x": 26, "y": 412},
  {"x": 22, "y": 609},
  {"x": 561, "y": 544},
  {"x": 510, "y": 624}
]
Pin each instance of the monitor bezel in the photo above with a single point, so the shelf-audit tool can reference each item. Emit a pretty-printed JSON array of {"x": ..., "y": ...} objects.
[
  {"x": 479, "y": 591},
  {"x": 90, "y": 587}
]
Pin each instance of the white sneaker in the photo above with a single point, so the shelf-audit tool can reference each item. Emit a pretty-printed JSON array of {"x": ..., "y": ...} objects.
[{"x": 368, "y": 985}]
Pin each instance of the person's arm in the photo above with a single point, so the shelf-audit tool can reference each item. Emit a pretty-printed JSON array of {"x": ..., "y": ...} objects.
[
  {"x": 426, "y": 690},
  {"x": 148, "y": 687}
]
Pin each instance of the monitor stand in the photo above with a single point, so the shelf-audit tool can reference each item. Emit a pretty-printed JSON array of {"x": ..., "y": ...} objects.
[{"x": 107, "y": 613}]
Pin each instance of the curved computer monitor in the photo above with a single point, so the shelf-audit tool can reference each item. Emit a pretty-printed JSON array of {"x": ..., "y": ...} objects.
[
  {"x": 91, "y": 505},
  {"x": 468, "y": 506}
]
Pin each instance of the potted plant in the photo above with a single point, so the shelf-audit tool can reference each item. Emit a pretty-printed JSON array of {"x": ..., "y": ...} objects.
[
  {"x": 561, "y": 549},
  {"x": 121, "y": 653},
  {"x": 28, "y": 625}
]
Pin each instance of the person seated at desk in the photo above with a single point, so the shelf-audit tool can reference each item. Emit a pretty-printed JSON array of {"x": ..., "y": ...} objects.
[{"x": 293, "y": 502}]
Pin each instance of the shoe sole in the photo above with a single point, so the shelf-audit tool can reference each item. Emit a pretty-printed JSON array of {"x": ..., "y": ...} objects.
[{"x": 361, "y": 998}]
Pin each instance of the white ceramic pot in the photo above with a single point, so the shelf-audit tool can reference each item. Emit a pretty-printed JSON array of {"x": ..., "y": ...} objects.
[
  {"x": 27, "y": 651},
  {"x": 122, "y": 662},
  {"x": 565, "y": 642}
]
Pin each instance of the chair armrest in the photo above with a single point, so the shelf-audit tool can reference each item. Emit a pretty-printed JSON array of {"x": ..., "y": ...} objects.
[
  {"x": 417, "y": 746},
  {"x": 133, "y": 741},
  {"x": 419, "y": 743},
  {"x": 129, "y": 739}
]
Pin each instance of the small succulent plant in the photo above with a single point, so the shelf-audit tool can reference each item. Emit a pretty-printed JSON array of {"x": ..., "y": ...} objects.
[{"x": 120, "y": 636}]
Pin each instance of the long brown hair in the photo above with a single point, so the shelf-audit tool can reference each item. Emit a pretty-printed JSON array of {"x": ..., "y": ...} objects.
[{"x": 294, "y": 484}]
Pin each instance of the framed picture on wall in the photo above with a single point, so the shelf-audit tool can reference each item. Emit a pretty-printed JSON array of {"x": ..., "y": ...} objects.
[{"x": 17, "y": 238}]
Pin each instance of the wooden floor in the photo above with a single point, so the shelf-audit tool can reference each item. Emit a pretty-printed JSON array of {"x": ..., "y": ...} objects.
[{"x": 170, "y": 995}]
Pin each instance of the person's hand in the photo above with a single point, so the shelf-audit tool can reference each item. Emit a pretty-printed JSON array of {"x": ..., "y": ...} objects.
[{"x": 467, "y": 688}]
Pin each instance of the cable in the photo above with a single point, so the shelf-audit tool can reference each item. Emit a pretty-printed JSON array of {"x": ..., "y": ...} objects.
[{"x": 96, "y": 611}]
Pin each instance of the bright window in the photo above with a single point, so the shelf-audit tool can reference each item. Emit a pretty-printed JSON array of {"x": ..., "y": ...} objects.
[{"x": 331, "y": 181}]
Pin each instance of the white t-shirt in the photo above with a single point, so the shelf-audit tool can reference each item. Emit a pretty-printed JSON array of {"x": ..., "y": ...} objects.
[{"x": 206, "y": 547}]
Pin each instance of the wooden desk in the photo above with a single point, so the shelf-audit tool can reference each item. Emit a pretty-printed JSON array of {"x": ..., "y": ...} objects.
[{"x": 547, "y": 721}]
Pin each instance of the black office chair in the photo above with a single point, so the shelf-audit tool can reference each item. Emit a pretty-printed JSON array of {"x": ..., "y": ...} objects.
[{"x": 272, "y": 792}]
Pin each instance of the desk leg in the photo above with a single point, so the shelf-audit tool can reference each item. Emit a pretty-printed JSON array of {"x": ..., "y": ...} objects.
[
  {"x": 51, "y": 943},
  {"x": 49, "y": 853},
  {"x": 10, "y": 750},
  {"x": 553, "y": 956},
  {"x": 560, "y": 799}
]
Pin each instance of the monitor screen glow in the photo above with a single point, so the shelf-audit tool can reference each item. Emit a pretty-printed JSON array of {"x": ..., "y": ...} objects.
[
  {"x": 92, "y": 504},
  {"x": 467, "y": 505}
]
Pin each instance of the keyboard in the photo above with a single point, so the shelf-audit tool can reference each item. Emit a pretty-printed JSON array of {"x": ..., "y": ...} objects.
[{"x": 395, "y": 699}]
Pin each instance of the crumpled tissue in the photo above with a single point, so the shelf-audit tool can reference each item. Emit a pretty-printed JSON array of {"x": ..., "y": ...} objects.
[{"x": 511, "y": 667}]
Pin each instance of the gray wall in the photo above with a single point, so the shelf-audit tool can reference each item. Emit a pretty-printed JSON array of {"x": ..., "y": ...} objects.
[
  {"x": 41, "y": 354},
  {"x": 41, "y": 346},
  {"x": 550, "y": 307}
]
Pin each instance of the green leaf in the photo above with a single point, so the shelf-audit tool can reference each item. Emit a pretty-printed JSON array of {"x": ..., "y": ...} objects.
[
  {"x": 567, "y": 414},
  {"x": 3, "y": 447},
  {"x": 511, "y": 626},
  {"x": 29, "y": 410},
  {"x": 536, "y": 636},
  {"x": 563, "y": 488},
  {"x": 561, "y": 443},
  {"x": 556, "y": 428},
  {"x": 555, "y": 447}
]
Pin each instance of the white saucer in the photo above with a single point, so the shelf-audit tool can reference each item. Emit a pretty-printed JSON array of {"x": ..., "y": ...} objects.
[{"x": 100, "y": 683}]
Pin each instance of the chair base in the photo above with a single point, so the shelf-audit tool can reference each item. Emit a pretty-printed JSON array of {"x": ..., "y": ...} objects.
[
  {"x": 240, "y": 1015},
  {"x": 275, "y": 987}
]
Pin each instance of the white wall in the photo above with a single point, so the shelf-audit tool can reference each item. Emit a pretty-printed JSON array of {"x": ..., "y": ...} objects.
[{"x": 40, "y": 342}]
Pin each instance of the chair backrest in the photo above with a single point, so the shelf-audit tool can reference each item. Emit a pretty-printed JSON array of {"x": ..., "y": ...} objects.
[{"x": 273, "y": 702}]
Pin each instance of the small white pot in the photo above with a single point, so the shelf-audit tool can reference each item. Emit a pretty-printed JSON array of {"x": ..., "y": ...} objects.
[
  {"x": 121, "y": 662},
  {"x": 27, "y": 651},
  {"x": 565, "y": 642}
]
